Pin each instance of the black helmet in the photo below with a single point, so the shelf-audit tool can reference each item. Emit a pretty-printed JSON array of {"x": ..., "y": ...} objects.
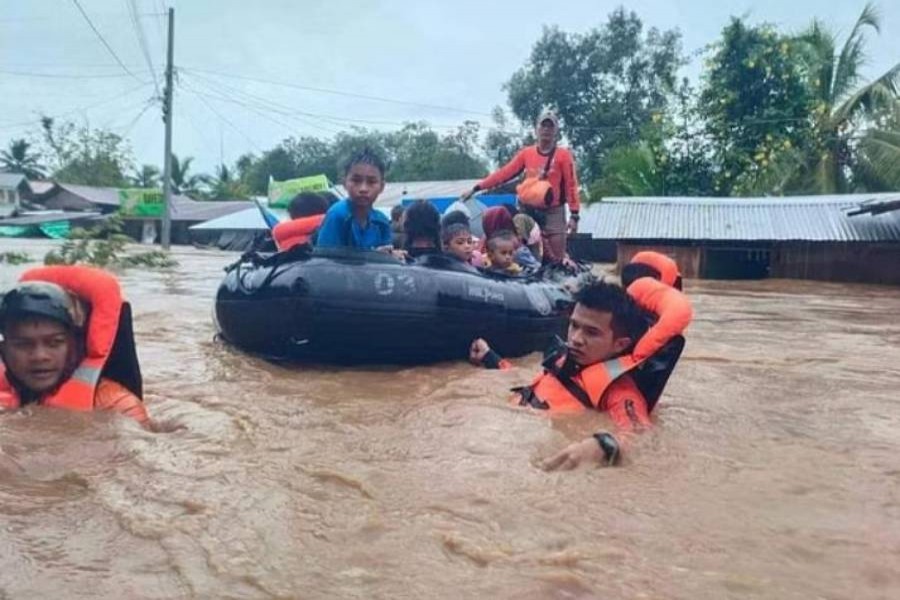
[{"x": 41, "y": 299}]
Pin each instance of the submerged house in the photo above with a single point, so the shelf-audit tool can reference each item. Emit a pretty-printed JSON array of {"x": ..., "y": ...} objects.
[{"x": 830, "y": 238}]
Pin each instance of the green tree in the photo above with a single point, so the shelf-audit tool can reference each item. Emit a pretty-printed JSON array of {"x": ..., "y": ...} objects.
[
  {"x": 147, "y": 177},
  {"x": 505, "y": 138},
  {"x": 81, "y": 155},
  {"x": 757, "y": 107},
  {"x": 225, "y": 186},
  {"x": 18, "y": 159},
  {"x": 848, "y": 112},
  {"x": 185, "y": 182},
  {"x": 606, "y": 84}
]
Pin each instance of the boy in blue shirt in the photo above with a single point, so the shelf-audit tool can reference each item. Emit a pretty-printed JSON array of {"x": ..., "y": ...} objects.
[{"x": 352, "y": 222}]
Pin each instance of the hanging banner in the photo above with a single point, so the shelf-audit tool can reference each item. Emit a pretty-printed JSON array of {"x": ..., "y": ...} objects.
[
  {"x": 282, "y": 192},
  {"x": 140, "y": 202}
]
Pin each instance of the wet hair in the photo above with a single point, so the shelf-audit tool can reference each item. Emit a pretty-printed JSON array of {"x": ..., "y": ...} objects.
[
  {"x": 627, "y": 318},
  {"x": 307, "y": 204},
  {"x": 504, "y": 235},
  {"x": 634, "y": 271},
  {"x": 397, "y": 212},
  {"x": 455, "y": 217},
  {"x": 422, "y": 222},
  {"x": 366, "y": 156},
  {"x": 330, "y": 197},
  {"x": 453, "y": 230}
]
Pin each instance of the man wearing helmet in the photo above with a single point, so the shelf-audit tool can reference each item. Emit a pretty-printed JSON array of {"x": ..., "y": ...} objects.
[{"x": 67, "y": 344}]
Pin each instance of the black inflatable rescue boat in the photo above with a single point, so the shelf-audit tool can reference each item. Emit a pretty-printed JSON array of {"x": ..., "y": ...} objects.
[{"x": 348, "y": 306}]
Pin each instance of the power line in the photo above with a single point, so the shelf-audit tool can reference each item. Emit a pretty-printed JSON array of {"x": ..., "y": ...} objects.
[
  {"x": 128, "y": 92},
  {"x": 223, "y": 118},
  {"x": 142, "y": 41},
  {"x": 62, "y": 75},
  {"x": 285, "y": 110},
  {"x": 338, "y": 92},
  {"x": 103, "y": 40}
]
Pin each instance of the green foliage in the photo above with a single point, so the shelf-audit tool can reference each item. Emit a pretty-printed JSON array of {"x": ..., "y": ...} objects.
[
  {"x": 148, "y": 177},
  {"x": 606, "y": 84},
  {"x": 183, "y": 181},
  {"x": 415, "y": 152},
  {"x": 757, "y": 104},
  {"x": 81, "y": 155},
  {"x": 106, "y": 246},
  {"x": 18, "y": 159},
  {"x": 504, "y": 139},
  {"x": 15, "y": 258}
]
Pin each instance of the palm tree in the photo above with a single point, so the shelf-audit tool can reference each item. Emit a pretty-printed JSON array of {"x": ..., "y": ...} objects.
[
  {"x": 147, "y": 177},
  {"x": 843, "y": 109},
  {"x": 225, "y": 187},
  {"x": 17, "y": 159},
  {"x": 182, "y": 183}
]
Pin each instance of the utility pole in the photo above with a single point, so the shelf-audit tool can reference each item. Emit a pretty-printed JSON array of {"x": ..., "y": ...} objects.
[{"x": 166, "y": 233}]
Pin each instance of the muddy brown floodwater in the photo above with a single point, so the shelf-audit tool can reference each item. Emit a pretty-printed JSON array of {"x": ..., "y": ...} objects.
[{"x": 773, "y": 472}]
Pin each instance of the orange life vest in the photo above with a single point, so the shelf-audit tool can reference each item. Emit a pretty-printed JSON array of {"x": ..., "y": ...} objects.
[
  {"x": 668, "y": 268},
  {"x": 296, "y": 231},
  {"x": 556, "y": 391},
  {"x": 553, "y": 390},
  {"x": 101, "y": 290}
]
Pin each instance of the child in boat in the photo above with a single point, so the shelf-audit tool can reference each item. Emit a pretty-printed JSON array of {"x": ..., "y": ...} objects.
[
  {"x": 353, "y": 222},
  {"x": 458, "y": 242},
  {"x": 529, "y": 234},
  {"x": 307, "y": 211},
  {"x": 422, "y": 229},
  {"x": 501, "y": 252}
]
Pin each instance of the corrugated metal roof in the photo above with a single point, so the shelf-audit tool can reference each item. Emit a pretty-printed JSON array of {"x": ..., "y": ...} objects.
[
  {"x": 50, "y": 217},
  {"x": 185, "y": 209},
  {"x": 11, "y": 180},
  {"x": 41, "y": 187},
  {"x": 796, "y": 218}
]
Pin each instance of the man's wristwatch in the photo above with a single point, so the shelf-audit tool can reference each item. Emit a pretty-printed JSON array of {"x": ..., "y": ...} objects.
[
  {"x": 610, "y": 447},
  {"x": 574, "y": 215}
]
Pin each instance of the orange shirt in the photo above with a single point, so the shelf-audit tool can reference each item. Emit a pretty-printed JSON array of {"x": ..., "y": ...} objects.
[
  {"x": 561, "y": 175},
  {"x": 111, "y": 395}
]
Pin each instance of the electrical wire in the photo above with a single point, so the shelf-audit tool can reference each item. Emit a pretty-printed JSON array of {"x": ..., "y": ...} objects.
[
  {"x": 142, "y": 42},
  {"x": 103, "y": 40}
]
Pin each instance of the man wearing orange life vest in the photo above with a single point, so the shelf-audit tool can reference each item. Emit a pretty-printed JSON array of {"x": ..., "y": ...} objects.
[
  {"x": 61, "y": 325},
  {"x": 610, "y": 362}
]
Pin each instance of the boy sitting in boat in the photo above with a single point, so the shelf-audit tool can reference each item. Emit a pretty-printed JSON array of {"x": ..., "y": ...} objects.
[
  {"x": 421, "y": 229},
  {"x": 352, "y": 222}
]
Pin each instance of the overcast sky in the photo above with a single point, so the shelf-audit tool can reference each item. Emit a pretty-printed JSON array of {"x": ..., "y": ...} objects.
[{"x": 437, "y": 61}]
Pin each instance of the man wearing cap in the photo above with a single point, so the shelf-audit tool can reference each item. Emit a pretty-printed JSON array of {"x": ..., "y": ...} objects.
[
  {"x": 544, "y": 161},
  {"x": 61, "y": 327}
]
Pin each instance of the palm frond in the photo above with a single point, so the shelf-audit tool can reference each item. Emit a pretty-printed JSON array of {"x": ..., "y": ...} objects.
[
  {"x": 852, "y": 57},
  {"x": 879, "y": 160},
  {"x": 871, "y": 97}
]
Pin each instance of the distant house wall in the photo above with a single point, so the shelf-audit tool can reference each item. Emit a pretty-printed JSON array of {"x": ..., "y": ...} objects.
[
  {"x": 876, "y": 262},
  {"x": 860, "y": 262}
]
